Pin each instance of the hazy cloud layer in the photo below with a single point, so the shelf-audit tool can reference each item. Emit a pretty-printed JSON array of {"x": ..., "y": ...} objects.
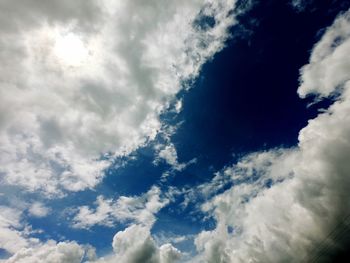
[{"x": 85, "y": 78}]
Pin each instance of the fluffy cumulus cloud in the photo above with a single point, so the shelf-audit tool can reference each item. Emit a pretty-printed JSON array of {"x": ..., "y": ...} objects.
[
  {"x": 136, "y": 245},
  {"x": 38, "y": 209},
  {"x": 132, "y": 245},
  {"x": 14, "y": 235},
  {"x": 140, "y": 209},
  {"x": 284, "y": 202},
  {"x": 15, "y": 232},
  {"x": 84, "y": 81},
  {"x": 63, "y": 252}
]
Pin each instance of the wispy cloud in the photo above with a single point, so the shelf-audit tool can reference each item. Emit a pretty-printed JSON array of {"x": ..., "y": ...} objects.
[{"x": 139, "y": 209}]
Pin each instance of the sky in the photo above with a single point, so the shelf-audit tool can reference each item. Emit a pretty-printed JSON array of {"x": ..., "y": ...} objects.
[{"x": 204, "y": 131}]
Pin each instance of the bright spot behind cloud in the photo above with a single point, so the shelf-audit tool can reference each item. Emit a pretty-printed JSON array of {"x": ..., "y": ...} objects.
[
  {"x": 55, "y": 122},
  {"x": 71, "y": 50},
  {"x": 129, "y": 62}
]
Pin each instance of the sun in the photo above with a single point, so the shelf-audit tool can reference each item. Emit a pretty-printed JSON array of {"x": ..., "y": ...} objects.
[{"x": 70, "y": 50}]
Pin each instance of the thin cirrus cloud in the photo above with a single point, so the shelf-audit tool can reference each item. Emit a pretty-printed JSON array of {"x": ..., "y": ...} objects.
[{"x": 63, "y": 109}]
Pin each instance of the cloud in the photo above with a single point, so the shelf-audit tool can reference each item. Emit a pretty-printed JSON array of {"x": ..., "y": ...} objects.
[
  {"x": 38, "y": 209},
  {"x": 169, "y": 254},
  {"x": 169, "y": 237},
  {"x": 140, "y": 209},
  {"x": 328, "y": 69},
  {"x": 132, "y": 245},
  {"x": 168, "y": 153},
  {"x": 62, "y": 252},
  {"x": 135, "y": 245},
  {"x": 165, "y": 150},
  {"x": 19, "y": 16},
  {"x": 283, "y": 203},
  {"x": 64, "y": 113},
  {"x": 300, "y": 5},
  {"x": 14, "y": 234}
]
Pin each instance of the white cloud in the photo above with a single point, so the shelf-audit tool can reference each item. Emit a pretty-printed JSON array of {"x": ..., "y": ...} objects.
[
  {"x": 169, "y": 254},
  {"x": 329, "y": 67},
  {"x": 60, "y": 109},
  {"x": 178, "y": 106},
  {"x": 284, "y": 202},
  {"x": 132, "y": 245},
  {"x": 168, "y": 153},
  {"x": 136, "y": 245},
  {"x": 169, "y": 237},
  {"x": 14, "y": 234},
  {"x": 51, "y": 252},
  {"x": 38, "y": 209},
  {"x": 140, "y": 209}
]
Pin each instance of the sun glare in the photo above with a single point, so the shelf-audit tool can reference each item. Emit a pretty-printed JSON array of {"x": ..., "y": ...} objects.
[{"x": 71, "y": 50}]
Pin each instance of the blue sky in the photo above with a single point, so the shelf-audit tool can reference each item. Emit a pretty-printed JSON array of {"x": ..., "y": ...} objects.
[{"x": 179, "y": 131}]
